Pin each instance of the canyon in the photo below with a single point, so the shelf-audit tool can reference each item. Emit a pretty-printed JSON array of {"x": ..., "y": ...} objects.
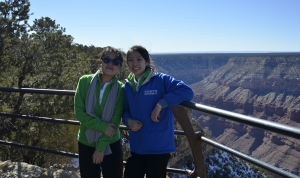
[{"x": 262, "y": 85}]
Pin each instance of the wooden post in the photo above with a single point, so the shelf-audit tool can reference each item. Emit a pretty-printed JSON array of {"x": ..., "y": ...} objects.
[{"x": 194, "y": 141}]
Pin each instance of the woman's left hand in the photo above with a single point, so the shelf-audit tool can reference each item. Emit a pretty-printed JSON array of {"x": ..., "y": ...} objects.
[
  {"x": 155, "y": 113},
  {"x": 110, "y": 130}
]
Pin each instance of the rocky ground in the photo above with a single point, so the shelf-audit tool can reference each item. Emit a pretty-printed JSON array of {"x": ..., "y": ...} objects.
[{"x": 10, "y": 169}]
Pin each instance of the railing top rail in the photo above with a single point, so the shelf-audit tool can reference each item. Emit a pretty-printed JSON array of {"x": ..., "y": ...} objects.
[
  {"x": 38, "y": 91},
  {"x": 248, "y": 120}
]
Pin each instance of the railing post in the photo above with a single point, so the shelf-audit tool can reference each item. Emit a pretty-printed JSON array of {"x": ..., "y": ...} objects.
[{"x": 194, "y": 141}]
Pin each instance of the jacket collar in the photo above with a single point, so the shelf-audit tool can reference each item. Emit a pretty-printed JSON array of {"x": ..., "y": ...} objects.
[{"x": 144, "y": 79}]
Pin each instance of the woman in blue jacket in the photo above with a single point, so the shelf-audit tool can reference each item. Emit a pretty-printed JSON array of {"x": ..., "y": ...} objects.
[{"x": 149, "y": 97}]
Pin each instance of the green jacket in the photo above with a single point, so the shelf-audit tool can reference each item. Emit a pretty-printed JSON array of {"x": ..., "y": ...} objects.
[{"x": 87, "y": 121}]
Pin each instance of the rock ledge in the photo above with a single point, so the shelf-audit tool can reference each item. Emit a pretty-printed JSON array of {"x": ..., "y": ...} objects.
[{"x": 10, "y": 169}]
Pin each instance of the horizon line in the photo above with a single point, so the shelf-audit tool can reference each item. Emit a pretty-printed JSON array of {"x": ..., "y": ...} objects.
[{"x": 225, "y": 52}]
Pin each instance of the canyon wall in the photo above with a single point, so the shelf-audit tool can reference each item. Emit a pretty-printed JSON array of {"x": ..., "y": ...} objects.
[{"x": 265, "y": 86}]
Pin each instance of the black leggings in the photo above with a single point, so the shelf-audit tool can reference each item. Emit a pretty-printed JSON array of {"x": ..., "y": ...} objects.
[
  {"x": 153, "y": 165},
  {"x": 111, "y": 166}
]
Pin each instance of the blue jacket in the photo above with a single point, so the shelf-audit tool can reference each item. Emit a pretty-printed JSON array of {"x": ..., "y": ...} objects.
[{"x": 153, "y": 137}]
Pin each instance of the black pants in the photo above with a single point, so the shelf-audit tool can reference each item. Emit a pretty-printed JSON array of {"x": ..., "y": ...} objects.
[
  {"x": 153, "y": 165},
  {"x": 111, "y": 166}
]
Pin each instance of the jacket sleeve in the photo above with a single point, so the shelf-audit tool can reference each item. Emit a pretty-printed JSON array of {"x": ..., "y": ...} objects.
[
  {"x": 126, "y": 113},
  {"x": 176, "y": 92},
  {"x": 79, "y": 108},
  {"x": 104, "y": 140}
]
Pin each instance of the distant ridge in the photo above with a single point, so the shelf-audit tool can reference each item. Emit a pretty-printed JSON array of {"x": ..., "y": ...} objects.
[{"x": 233, "y": 54}]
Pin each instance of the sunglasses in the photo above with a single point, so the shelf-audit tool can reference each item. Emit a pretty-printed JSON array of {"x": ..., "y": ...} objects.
[{"x": 115, "y": 62}]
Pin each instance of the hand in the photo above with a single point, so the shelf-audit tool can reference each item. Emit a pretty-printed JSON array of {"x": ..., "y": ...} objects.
[
  {"x": 134, "y": 125},
  {"x": 98, "y": 157},
  {"x": 155, "y": 113},
  {"x": 110, "y": 130}
]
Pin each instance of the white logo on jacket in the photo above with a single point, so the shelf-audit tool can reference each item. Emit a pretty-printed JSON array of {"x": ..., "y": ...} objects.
[{"x": 150, "y": 92}]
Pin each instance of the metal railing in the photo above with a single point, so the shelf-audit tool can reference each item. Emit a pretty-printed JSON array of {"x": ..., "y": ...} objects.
[{"x": 195, "y": 139}]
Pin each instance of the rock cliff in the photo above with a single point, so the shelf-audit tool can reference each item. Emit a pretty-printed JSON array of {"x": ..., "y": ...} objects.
[
  {"x": 265, "y": 86},
  {"x": 190, "y": 68}
]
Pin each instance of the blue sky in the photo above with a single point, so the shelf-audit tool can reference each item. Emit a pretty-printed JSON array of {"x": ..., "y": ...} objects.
[{"x": 178, "y": 25}]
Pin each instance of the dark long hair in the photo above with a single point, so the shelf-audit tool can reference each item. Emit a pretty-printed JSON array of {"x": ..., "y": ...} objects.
[{"x": 144, "y": 53}]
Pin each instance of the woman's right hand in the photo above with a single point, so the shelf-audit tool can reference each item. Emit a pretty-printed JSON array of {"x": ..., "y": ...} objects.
[
  {"x": 98, "y": 157},
  {"x": 134, "y": 125},
  {"x": 110, "y": 130}
]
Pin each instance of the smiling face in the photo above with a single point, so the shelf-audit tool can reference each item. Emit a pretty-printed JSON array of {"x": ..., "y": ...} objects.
[
  {"x": 136, "y": 63},
  {"x": 108, "y": 68}
]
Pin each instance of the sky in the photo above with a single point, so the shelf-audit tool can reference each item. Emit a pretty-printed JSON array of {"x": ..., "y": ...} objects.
[{"x": 175, "y": 26}]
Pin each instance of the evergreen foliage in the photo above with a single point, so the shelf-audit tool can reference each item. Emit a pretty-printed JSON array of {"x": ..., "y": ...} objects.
[{"x": 42, "y": 56}]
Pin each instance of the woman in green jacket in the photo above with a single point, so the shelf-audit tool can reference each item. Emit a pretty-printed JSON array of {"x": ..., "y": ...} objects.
[{"x": 98, "y": 106}]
